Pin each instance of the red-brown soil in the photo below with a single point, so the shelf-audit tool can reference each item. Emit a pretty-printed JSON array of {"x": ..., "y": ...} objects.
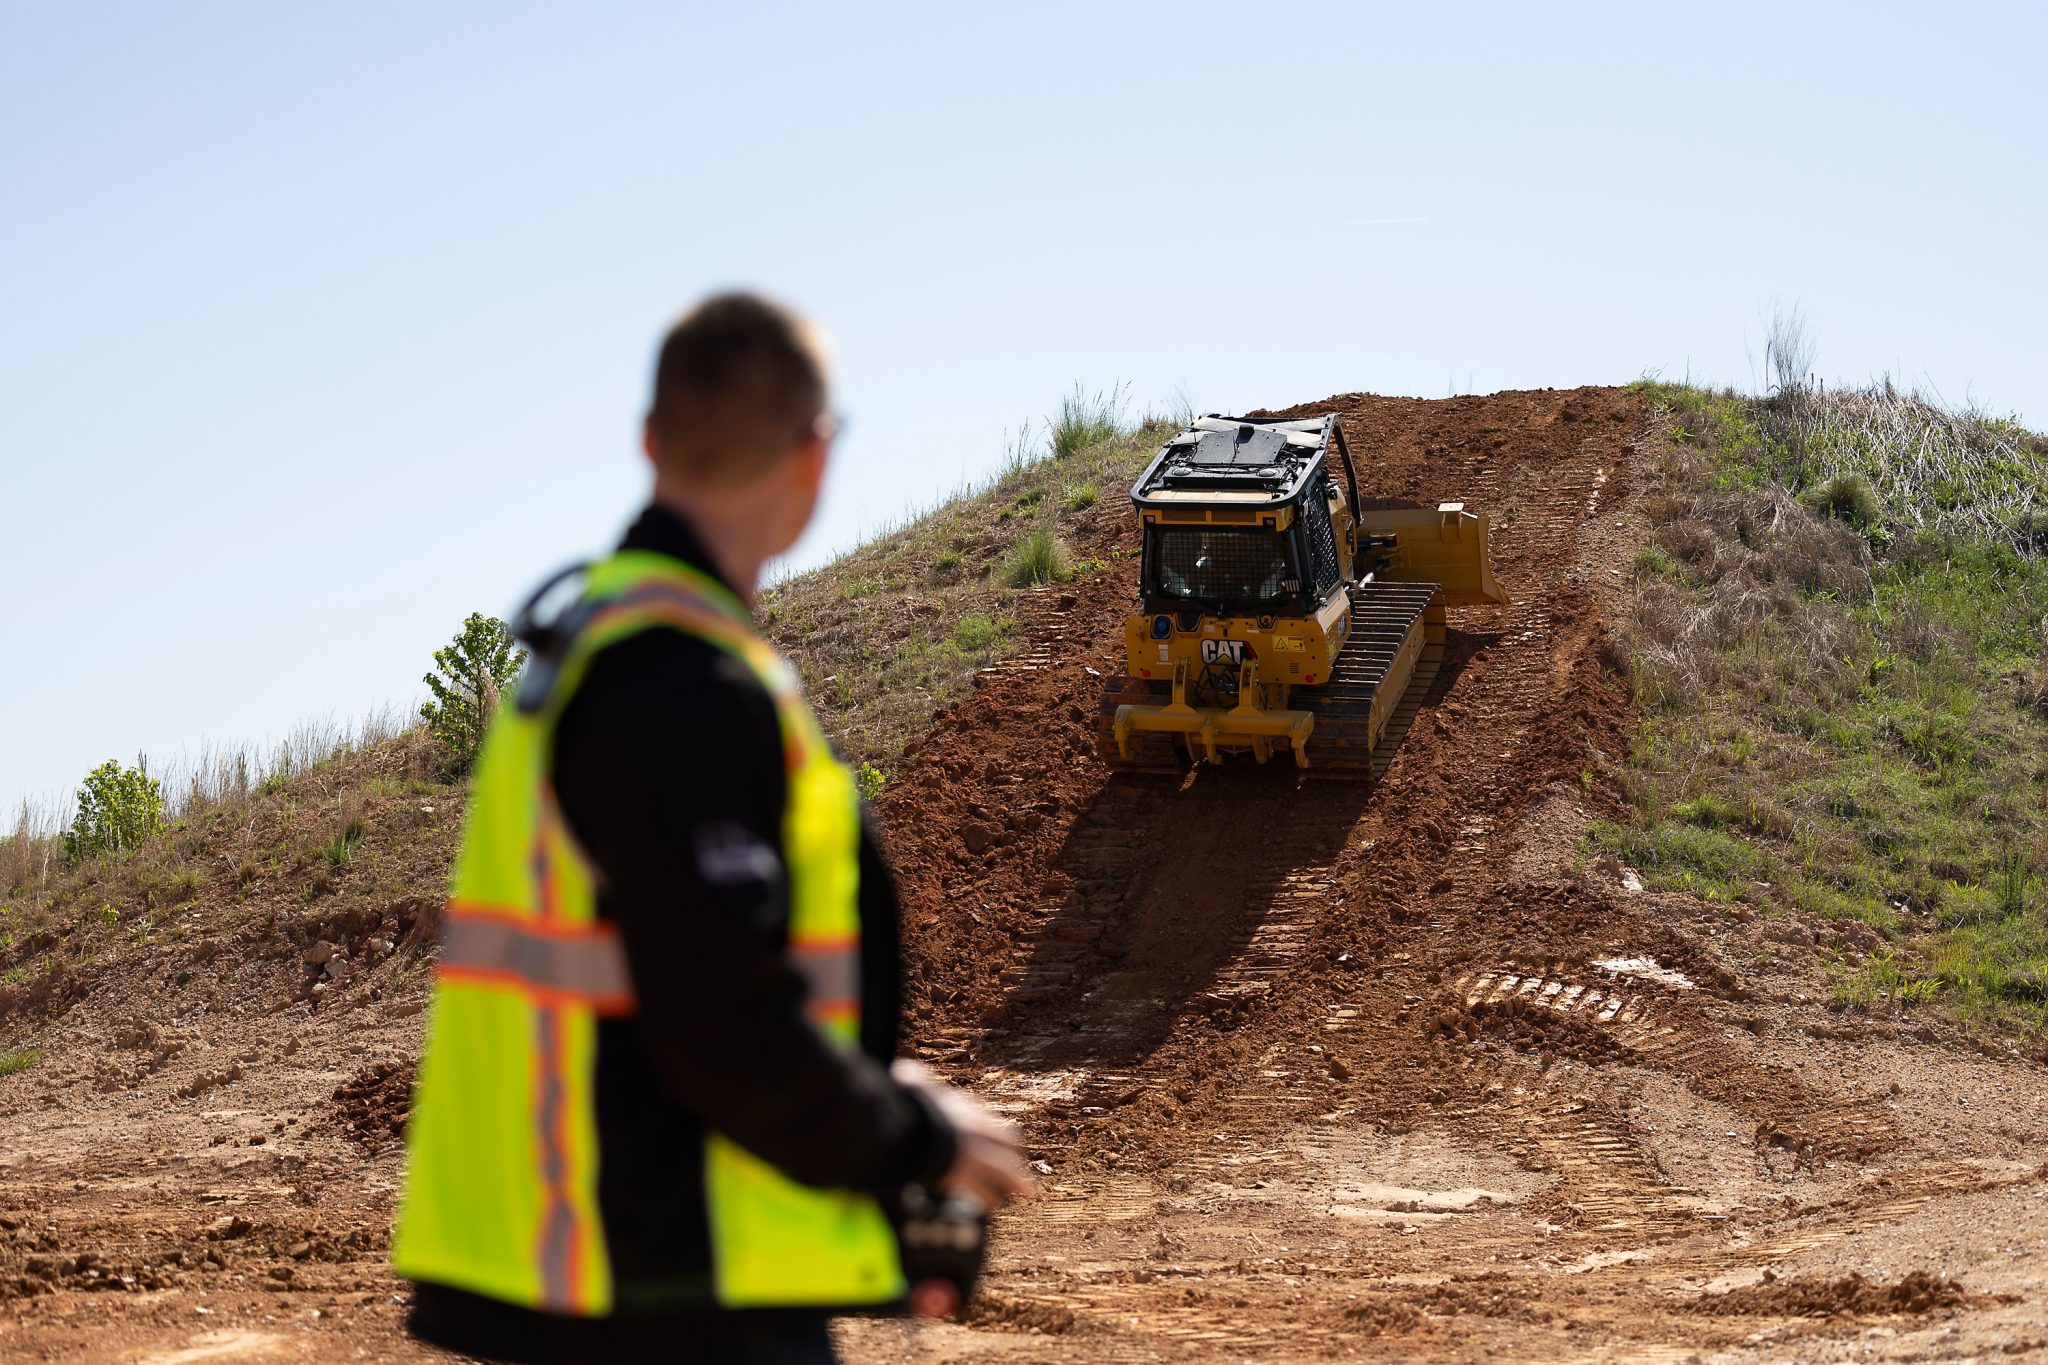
[{"x": 1313, "y": 1070}]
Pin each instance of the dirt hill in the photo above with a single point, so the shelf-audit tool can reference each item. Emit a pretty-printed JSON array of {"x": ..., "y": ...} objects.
[{"x": 1313, "y": 1071}]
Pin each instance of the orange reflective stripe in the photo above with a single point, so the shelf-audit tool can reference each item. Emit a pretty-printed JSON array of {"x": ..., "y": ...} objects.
[
  {"x": 801, "y": 942},
  {"x": 832, "y": 1011}
]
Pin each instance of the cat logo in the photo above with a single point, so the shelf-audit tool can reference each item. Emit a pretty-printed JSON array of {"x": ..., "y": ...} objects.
[{"x": 1212, "y": 650}]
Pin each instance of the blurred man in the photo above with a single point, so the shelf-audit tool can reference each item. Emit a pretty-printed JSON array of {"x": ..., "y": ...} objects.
[{"x": 656, "y": 1118}]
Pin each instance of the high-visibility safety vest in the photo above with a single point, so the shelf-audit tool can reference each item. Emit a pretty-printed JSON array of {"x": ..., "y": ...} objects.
[{"x": 501, "y": 1192}]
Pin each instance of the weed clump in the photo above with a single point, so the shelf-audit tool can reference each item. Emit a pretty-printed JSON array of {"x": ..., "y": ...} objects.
[
  {"x": 1038, "y": 559},
  {"x": 1085, "y": 420},
  {"x": 1847, "y": 497}
]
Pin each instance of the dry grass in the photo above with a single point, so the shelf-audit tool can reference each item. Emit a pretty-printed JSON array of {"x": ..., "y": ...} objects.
[
  {"x": 1926, "y": 468},
  {"x": 216, "y": 777},
  {"x": 1846, "y": 721},
  {"x": 364, "y": 835}
]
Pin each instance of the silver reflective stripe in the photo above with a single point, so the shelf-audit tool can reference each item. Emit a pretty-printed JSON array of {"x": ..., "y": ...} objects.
[
  {"x": 558, "y": 1226},
  {"x": 831, "y": 973},
  {"x": 646, "y": 594},
  {"x": 589, "y": 966}
]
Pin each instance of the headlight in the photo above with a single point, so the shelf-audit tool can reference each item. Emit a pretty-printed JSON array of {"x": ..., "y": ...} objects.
[{"x": 1162, "y": 626}]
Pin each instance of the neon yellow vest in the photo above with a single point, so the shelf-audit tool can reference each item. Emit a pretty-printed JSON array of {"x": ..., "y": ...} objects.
[{"x": 501, "y": 1188}]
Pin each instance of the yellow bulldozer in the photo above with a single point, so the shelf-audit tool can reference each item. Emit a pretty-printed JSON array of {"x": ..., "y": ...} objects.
[{"x": 1276, "y": 613}]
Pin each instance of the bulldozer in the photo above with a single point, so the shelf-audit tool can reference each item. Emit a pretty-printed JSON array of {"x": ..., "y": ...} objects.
[{"x": 1279, "y": 614}]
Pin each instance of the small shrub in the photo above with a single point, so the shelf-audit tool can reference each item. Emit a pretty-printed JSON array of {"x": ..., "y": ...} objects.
[
  {"x": 870, "y": 780},
  {"x": 1083, "y": 497},
  {"x": 118, "y": 808},
  {"x": 18, "y": 1059},
  {"x": 1847, "y": 497},
  {"x": 1038, "y": 559},
  {"x": 469, "y": 674}
]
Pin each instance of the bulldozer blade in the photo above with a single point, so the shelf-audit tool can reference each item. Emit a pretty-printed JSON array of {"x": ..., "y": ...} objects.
[{"x": 1448, "y": 547}]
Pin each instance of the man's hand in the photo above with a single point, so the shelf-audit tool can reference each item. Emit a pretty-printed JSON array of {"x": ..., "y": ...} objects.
[{"x": 988, "y": 1158}]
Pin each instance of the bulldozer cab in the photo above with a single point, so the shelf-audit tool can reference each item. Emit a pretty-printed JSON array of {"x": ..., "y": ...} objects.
[{"x": 1236, "y": 520}]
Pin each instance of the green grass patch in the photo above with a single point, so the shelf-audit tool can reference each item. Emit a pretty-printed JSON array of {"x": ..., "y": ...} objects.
[
  {"x": 18, "y": 1059},
  {"x": 979, "y": 632}
]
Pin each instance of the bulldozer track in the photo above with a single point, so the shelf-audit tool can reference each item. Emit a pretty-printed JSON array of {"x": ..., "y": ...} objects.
[{"x": 1383, "y": 615}]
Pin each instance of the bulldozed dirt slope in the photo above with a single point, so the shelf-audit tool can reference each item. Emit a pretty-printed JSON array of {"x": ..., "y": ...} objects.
[
  {"x": 1313, "y": 1071},
  {"x": 1320, "y": 1072}
]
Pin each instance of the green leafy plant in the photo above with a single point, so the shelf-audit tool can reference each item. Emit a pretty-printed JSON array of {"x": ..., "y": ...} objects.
[
  {"x": 870, "y": 780},
  {"x": 118, "y": 808},
  {"x": 469, "y": 675},
  {"x": 341, "y": 849},
  {"x": 18, "y": 1059},
  {"x": 1082, "y": 497}
]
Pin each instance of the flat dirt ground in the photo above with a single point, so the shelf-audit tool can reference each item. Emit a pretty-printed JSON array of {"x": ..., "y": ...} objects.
[{"x": 1312, "y": 1070}]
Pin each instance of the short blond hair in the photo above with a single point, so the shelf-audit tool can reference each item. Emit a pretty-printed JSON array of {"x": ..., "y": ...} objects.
[{"x": 740, "y": 380}]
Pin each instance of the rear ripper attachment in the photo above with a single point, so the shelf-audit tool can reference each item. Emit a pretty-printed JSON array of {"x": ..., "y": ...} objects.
[{"x": 1276, "y": 616}]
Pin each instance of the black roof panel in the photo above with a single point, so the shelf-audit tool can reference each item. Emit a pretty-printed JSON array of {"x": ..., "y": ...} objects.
[{"x": 1235, "y": 454}]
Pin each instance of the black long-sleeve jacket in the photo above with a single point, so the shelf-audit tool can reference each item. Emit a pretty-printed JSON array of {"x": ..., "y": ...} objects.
[{"x": 668, "y": 766}]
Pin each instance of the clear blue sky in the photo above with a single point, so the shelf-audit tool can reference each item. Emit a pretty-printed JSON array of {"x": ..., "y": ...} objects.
[{"x": 320, "y": 328}]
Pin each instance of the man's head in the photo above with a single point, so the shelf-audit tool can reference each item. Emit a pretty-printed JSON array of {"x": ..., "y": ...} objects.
[{"x": 739, "y": 410}]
